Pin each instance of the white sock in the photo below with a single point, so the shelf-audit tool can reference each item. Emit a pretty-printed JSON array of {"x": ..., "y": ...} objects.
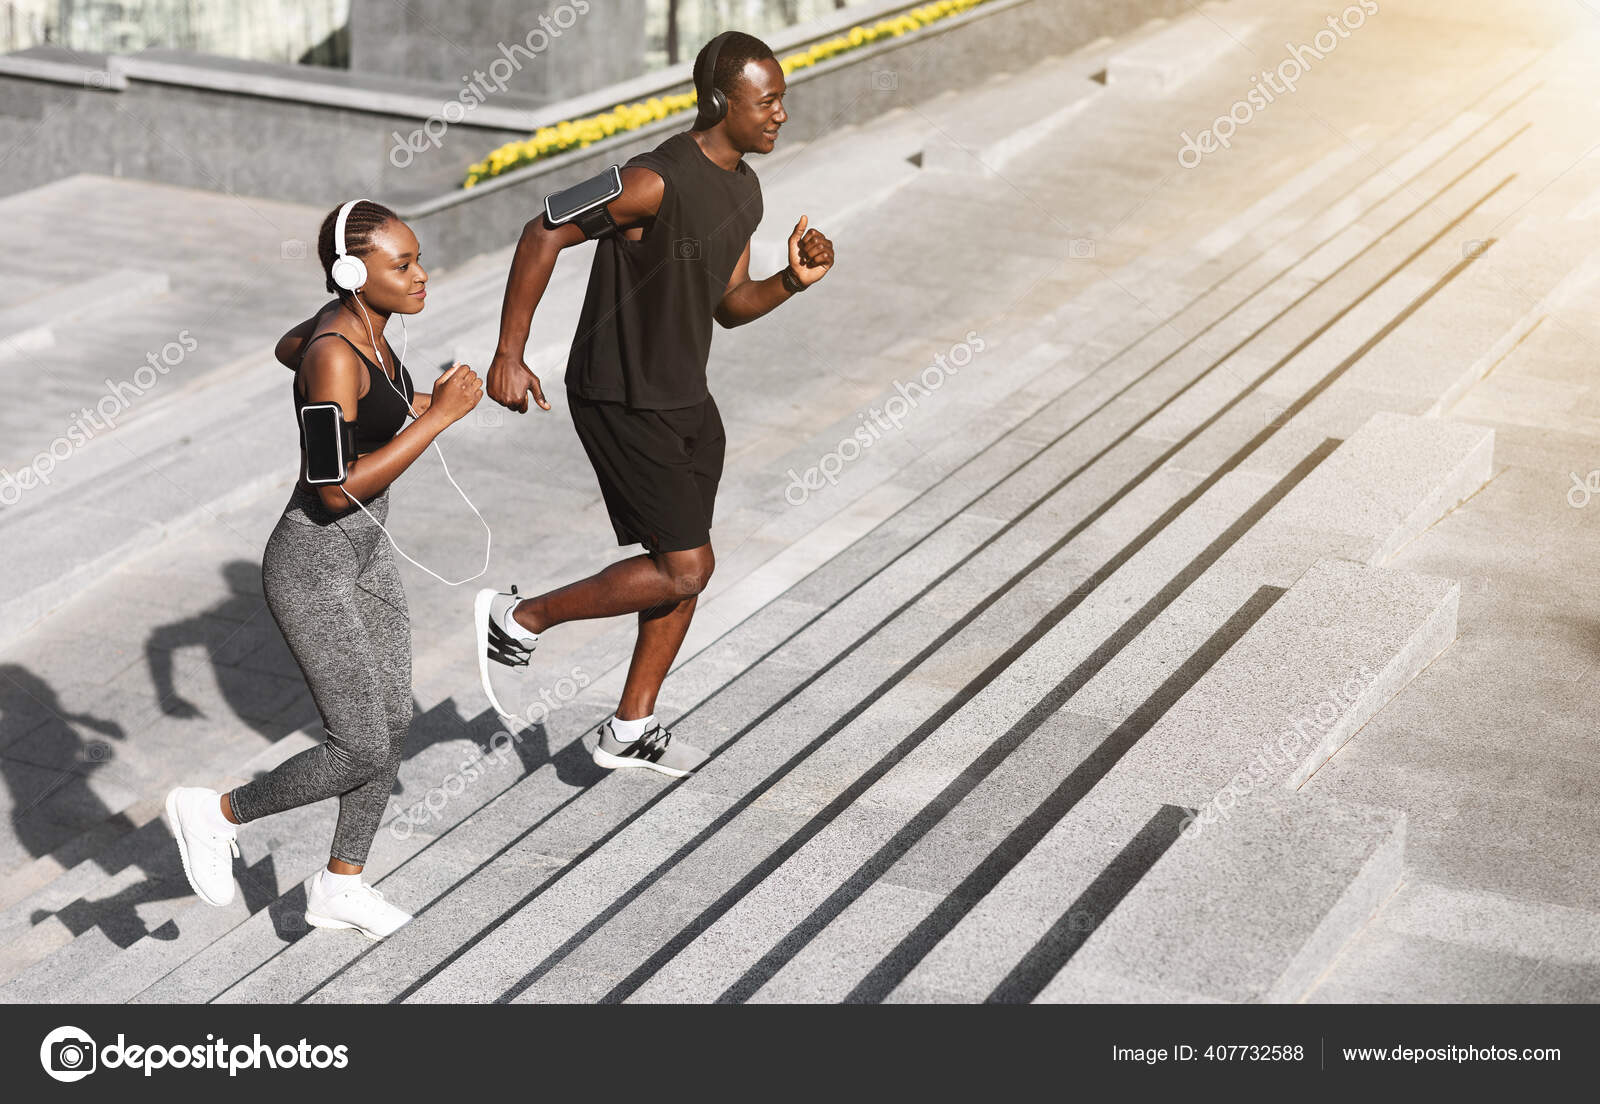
[
  {"x": 627, "y": 732},
  {"x": 337, "y": 883},
  {"x": 514, "y": 630},
  {"x": 215, "y": 821}
]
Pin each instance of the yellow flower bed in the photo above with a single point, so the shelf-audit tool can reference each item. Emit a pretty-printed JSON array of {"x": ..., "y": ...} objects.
[{"x": 577, "y": 133}]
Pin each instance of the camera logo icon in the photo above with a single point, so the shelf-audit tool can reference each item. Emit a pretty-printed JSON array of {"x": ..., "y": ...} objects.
[
  {"x": 68, "y": 1054},
  {"x": 292, "y": 250},
  {"x": 1081, "y": 249},
  {"x": 686, "y": 249},
  {"x": 885, "y": 80}
]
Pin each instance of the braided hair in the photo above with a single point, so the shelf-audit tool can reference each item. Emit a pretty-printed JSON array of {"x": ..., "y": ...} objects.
[{"x": 365, "y": 219}]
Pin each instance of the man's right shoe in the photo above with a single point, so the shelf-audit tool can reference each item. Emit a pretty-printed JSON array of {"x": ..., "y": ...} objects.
[
  {"x": 494, "y": 643},
  {"x": 207, "y": 847},
  {"x": 655, "y": 750}
]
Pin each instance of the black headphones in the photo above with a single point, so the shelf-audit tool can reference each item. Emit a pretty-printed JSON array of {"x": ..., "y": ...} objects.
[{"x": 713, "y": 104}]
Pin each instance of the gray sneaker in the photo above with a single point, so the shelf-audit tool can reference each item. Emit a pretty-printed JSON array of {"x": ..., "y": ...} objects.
[{"x": 655, "y": 750}]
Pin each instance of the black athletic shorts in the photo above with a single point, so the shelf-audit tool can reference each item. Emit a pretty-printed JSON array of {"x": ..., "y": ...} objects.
[{"x": 658, "y": 469}]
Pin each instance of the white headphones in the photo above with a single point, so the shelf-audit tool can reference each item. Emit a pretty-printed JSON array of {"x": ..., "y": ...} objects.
[{"x": 348, "y": 272}]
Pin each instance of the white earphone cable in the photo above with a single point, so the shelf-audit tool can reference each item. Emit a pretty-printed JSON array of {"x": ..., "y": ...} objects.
[{"x": 488, "y": 533}]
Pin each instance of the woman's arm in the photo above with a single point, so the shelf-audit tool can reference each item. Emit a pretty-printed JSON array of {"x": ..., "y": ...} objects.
[
  {"x": 333, "y": 374},
  {"x": 290, "y": 344}
]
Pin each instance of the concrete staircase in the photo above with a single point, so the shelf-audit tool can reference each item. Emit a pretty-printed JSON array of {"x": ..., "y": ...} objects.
[{"x": 1004, "y": 720}]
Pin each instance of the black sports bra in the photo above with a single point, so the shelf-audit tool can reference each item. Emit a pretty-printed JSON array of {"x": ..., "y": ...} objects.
[{"x": 380, "y": 414}]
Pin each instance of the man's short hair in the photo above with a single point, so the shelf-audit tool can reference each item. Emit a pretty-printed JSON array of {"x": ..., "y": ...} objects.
[{"x": 739, "y": 50}]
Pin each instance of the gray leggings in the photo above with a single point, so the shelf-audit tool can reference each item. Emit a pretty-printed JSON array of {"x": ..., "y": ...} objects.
[{"x": 333, "y": 587}]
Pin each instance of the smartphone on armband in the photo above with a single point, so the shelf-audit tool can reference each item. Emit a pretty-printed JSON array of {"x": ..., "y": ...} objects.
[
  {"x": 569, "y": 203},
  {"x": 327, "y": 438}
]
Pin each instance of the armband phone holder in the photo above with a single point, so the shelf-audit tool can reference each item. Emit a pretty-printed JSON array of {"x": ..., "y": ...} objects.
[
  {"x": 584, "y": 204},
  {"x": 329, "y": 442}
]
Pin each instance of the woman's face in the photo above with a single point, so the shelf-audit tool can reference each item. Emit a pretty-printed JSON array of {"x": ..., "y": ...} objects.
[{"x": 396, "y": 282}]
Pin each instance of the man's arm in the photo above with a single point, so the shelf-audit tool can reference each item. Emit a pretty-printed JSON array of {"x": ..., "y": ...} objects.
[
  {"x": 745, "y": 300},
  {"x": 510, "y": 380}
]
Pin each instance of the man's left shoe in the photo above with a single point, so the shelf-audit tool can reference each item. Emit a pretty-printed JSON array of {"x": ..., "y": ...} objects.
[{"x": 488, "y": 616}]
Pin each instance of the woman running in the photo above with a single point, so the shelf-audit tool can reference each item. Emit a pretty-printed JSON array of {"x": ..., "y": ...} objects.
[{"x": 330, "y": 579}]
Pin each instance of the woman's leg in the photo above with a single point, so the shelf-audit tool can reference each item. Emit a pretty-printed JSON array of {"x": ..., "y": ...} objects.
[
  {"x": 381, "y": 601},
  {"x": 309, "y": 574}
]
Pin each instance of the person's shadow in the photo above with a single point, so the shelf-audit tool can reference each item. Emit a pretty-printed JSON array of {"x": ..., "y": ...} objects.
[
  {"x": 50, "y": 801},
  {"x": 262, "y": 690},
  {"x": 256, "y": 674}
]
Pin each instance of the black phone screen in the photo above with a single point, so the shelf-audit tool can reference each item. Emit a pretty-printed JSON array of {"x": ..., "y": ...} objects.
[
  {"x": 562, "y": 205},
  {"x": 325, "y": 459}
]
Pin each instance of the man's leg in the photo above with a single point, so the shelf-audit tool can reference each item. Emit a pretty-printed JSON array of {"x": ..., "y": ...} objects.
[
  {"x": 654, "y": 582},
  {"x": 661, "y": 633}
]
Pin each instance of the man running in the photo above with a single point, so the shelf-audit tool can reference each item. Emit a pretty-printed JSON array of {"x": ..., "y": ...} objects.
[{"x": 677, "y": 259}]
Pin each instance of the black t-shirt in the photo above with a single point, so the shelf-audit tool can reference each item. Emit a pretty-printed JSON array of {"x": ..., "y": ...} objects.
[{"x": 645, "y": 331}]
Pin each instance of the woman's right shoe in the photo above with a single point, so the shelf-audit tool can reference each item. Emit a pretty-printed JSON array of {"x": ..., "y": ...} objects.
[
  {"x": 207, "y": 843},
  {"x": 361, "y": 907},
  {"x": 494, "y": 643}
]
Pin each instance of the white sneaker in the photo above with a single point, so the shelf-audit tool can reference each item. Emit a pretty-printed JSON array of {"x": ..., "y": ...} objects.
[
  {"x": 361, "y": 907},
  {"x": 489, "y": 610},
  {"x": 207, "y": 843}
]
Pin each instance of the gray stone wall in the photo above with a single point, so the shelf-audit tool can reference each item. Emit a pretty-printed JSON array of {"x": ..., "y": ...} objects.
[
  {"x": 1003, "y": 35},
  {"x": 549, "y": 51},
  {"x": 310, "y": 135}
]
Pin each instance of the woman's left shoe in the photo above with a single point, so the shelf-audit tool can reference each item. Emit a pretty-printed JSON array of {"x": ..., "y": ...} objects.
[{"x": 361, "y": 907}]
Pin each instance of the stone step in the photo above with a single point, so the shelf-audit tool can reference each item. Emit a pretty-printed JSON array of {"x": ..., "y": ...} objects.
[
  {"x": 1086, "y": 644},
  {"x": 1452, "y": 945},
  {"x": 967, "y": 136},
  {"x": 1346, "y": 636},
  {"x": 67, "y": 892},
  {"x": 1163, "y": 61},
  {"x": 48, "y": 311},
  {"x": 1253, "y": 911},
  {"x": 563, "y": 909},
  {"x": 1402, "y": 533},
  {"x": 280, "y": 859}
]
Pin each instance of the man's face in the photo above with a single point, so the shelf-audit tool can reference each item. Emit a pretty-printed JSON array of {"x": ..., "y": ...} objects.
[{"x": 755, "y": 109}]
